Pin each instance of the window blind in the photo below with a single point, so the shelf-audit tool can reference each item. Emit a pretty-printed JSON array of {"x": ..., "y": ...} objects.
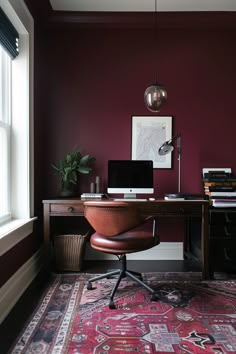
[{"x": 8, "y": 35}]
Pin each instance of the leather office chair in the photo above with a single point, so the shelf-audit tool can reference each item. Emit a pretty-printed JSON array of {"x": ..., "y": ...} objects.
[{"x": 119, "y": 230}]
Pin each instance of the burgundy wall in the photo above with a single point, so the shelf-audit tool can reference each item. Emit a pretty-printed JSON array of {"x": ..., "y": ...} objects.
[{"x": 95, "y": 81}]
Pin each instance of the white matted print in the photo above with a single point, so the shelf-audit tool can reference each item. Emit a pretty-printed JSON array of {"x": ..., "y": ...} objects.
[{"x": 148, "y": 134}]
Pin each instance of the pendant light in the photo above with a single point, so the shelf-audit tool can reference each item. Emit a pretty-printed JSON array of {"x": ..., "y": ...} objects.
[{"x": 155, "y": 95}]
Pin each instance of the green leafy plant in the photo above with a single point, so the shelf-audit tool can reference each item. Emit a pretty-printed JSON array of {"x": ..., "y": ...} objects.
[{"x": 69, "y": 168}]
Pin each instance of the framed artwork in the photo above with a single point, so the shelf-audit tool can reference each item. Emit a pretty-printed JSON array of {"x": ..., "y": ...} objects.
[{"x": 148, "y": 134}]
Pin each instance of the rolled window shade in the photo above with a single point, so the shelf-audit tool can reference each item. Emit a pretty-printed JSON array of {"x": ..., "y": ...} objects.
[{"x": 8, "y": 35}]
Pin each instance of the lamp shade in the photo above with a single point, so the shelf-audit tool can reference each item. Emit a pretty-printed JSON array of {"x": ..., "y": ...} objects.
[
  {"x": 165, "y": 148},
  {"x": 154, "y": 97}
]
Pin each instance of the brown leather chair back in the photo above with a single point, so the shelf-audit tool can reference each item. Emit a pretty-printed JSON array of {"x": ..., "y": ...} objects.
[{"x": 110, "y": 218}]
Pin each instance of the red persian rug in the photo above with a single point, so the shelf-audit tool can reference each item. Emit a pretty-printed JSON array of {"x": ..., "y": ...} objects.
[{"x": 191, "y": 316}]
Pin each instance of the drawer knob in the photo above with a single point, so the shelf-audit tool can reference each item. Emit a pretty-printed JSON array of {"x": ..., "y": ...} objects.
[{"x": 70, "y": 209}]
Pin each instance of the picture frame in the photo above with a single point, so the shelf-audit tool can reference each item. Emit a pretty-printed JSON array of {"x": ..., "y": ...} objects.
[{"x": 148, "y": 134}]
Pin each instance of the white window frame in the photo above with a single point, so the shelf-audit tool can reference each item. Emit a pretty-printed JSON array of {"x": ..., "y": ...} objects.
[
  {"x": 21, "y": 167},
  {"x": 5, "y": 131}
]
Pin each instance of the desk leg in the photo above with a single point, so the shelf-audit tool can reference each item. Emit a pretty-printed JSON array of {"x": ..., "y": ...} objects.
[
  {"x": 187, "y": 222},
  {"x": 46, "y": 229},
  {"x": 205, "y": 243}
]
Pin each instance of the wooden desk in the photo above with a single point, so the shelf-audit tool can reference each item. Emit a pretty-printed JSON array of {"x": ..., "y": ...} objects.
[{"x": 159, "y": 208}]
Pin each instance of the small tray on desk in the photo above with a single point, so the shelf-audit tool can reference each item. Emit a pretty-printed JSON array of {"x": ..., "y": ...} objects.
[
  {"x": 185, "y": 196},
  {"x": 93, "y": 196}
]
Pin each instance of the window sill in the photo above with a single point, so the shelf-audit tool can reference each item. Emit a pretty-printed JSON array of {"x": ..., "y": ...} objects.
[{"x": 13, "y": 232}]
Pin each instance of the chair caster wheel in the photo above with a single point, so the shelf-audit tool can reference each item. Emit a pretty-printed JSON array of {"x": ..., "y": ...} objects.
[
  {"x": 89, "y": 286},
  {"x": 154, "y": 297},
  {"x": 111, "y": 305}
]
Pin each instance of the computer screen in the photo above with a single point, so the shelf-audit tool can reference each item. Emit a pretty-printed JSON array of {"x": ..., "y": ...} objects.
[{"x": 130, "y": 177}]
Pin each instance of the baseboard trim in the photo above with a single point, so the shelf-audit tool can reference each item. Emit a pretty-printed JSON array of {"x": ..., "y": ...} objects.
[
  {"x": 164, "y": 251},
  {"x": 12, "y": 290}
]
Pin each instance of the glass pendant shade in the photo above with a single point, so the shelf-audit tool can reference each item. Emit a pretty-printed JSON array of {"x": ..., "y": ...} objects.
[{"x": 154, "y": 97}]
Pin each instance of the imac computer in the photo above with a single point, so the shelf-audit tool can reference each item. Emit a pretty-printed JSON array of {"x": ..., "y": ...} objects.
[{"x": 130, "y": 177}]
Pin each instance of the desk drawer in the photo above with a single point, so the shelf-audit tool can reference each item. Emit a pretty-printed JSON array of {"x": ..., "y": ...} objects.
[
  {"x": 66, "y": 209},
  {"x": 171, "y": 210}
]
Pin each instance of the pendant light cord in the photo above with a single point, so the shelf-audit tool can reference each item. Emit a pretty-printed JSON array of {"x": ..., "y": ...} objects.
[{"x": 155, "y": 38}]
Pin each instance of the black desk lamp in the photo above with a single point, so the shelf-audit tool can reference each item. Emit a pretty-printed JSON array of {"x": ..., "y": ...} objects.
[{"x": 166, "y": 148}]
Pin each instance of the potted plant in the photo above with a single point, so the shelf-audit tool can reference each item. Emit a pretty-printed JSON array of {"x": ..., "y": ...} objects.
[{"x": 69, "y": 168}]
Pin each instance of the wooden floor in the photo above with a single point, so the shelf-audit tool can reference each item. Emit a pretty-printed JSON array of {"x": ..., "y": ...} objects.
[{"x": 15, "y": 321}]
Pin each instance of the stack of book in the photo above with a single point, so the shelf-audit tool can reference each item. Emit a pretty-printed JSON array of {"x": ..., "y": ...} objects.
[{"x": 220, "y": 186}]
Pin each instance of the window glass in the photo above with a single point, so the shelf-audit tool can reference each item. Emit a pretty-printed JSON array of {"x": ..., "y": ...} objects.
[{"x": 5, "y": 128}]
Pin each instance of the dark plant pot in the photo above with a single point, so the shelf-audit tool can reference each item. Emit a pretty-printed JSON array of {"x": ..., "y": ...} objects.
[{"x": 68, "y": 191}]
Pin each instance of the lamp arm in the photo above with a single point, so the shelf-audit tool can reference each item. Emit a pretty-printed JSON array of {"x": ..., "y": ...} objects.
[
  {"x": 167, "y": 147},
  {"x": 173, "y": 139},
  {"x": 178, "y": 137},
  {"x": 178, "y": 144},
  {"x": 179, "y": 161}
]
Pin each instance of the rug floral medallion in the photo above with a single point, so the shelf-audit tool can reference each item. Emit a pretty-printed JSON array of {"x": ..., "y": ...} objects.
[{"x": 190, "y": 316}]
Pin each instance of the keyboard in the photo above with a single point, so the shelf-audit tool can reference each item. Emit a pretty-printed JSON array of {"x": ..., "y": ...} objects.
[{"x": 129, "y": 200}]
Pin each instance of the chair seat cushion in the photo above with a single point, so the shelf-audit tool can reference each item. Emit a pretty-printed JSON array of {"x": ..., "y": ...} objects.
[{"x": 137, "y": 239}]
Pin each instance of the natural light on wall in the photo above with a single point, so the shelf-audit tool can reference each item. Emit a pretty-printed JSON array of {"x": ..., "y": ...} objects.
[{"x": 17, "y": 165}]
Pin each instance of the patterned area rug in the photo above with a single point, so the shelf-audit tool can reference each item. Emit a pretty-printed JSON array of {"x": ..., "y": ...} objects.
[{"x": 190, "y": 316}]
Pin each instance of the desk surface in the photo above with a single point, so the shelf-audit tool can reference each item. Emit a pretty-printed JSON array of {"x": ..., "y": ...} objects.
[
  {"x": 157, "y": 200},
  {"x": 158, "y": 207}
]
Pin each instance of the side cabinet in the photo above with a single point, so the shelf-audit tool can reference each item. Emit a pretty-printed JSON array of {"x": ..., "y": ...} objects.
[{"x": 222, "y": 237}]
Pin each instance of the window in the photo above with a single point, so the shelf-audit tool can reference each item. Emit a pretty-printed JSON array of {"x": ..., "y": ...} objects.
[
  {"x": 16, "y": 128},
  {"x": 5, "y": 135}
]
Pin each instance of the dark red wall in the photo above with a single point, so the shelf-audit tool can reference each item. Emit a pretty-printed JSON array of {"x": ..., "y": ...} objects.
[{"x": 95, "y": 81}]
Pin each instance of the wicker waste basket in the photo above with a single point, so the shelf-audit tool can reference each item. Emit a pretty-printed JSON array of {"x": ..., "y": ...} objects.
[{"x": 69, "y": 251}]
